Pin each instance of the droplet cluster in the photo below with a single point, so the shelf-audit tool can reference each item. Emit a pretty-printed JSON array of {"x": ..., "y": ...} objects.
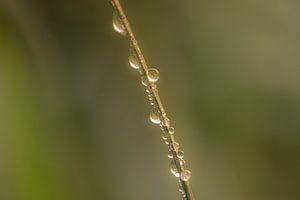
[{"x": 158, "y": 116}]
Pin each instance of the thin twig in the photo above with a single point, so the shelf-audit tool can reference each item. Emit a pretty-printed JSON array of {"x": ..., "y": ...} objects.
[{"x": 179, "y": 166}]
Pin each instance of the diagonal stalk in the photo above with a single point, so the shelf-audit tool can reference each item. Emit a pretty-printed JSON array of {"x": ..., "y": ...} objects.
[{"x": 179, "y": 170}]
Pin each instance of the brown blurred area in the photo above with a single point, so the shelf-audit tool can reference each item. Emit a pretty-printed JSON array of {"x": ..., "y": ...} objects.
[{"x": 74, "y": 117}]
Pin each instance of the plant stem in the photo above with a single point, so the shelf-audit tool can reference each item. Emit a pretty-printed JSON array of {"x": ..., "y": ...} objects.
[{"x": 165, "y": 122}]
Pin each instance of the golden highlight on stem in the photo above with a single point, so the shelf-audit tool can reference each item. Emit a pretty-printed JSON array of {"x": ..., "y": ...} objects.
[{"x": 159, "y": 115}]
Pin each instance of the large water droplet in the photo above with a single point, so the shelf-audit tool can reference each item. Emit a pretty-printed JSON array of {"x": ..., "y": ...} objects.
[
  {"x": 154, "y": 117},
  {"x": 153, "y": 75},
  {"x": 185, "y": 175},
  {"x": 134, "y": 61},
  {"x": 173, "y": 169},
  {"x": 117, "y": 24}
]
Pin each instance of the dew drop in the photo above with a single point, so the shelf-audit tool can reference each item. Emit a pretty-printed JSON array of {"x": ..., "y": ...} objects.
[
  {"x": 154, "y": 117},
  {"x": 148, "y": 90},
  {"x": 164, "y": 137},
  {"x": 166, "y": 122},
  {"x": 153, "y": 75},
  {"x": 145, "y": 81},
  {"x": 182, "y": 163},
  {"x": 180, "y": 154},
  {"x": 185, "y": 175},
  {"x": 180, "y": 189},
  {"x": 171, "y": 130},
  {"x": 176, "y": 146},
  {"x": 117, "y": 24},
  {"x": 134, "y": 61},
  {"x": 164, "y": 129},
  {"x": 170, "y": 154},
  {"x": 173, "y": 169}
]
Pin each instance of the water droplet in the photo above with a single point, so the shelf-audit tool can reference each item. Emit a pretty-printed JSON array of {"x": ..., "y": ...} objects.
[
  {"x": 153, "y": 75},
  {"x": 182, "y": 163},
  {"x": 185, "y": 175},
  {"x": 180, "y": 189},
  {"x": 145, "y": 81},
  {"x": 154, "y": 117},
  {"x": 163, "y": 128},
  {"x": 170, "y": 154},
  {"x": 173, "y": 169},
  {"x": 148, "y": 90},
  {"x": 166, "y": 122},
  {"x": 176, "y": 146},
  {"x": 134, "y": 61},
  {"x": 117, "y": 24},
  {"x": 164, "y": 137},
  {"x": 180, "y": 154},
  {"x": 171, "y": 130},
  {"x": 153, "y": 87}
]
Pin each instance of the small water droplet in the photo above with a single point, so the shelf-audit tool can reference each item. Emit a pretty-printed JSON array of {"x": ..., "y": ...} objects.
[
  {"x": 166, "y": 122},
  {"x": 170, "y": 154},
  {"x": 154, "y": 117},
  {"x": 148, "y": 90},
  {"x": 180, "y": 189},
  {"x": 182, "y": 163},
  {"x": 185, "y": 175},
  {"x": 117, "y": 24},
  {"x": 164, "y": 137},
  {"x": 134, "y": 61},
  {"x": 145, "y": 81},
  {"x": 171, "y": 130},
  {"x": 180, "y": 154},
  {"x": 176, "y": 146},
  {"x": 163, "y": 128},
  {"x": 173, "y": 169},
  {"x": 153, "y": 75}
]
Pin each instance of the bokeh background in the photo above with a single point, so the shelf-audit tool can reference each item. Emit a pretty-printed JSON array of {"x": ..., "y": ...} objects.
[{"x": 74, "y": 116}]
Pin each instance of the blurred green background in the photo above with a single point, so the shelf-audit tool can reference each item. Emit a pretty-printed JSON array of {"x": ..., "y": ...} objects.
[{"x": 74, "y": 117}]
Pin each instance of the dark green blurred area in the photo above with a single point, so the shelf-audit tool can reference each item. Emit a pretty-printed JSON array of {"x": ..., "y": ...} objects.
[{"x": 74, "y": 118}]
